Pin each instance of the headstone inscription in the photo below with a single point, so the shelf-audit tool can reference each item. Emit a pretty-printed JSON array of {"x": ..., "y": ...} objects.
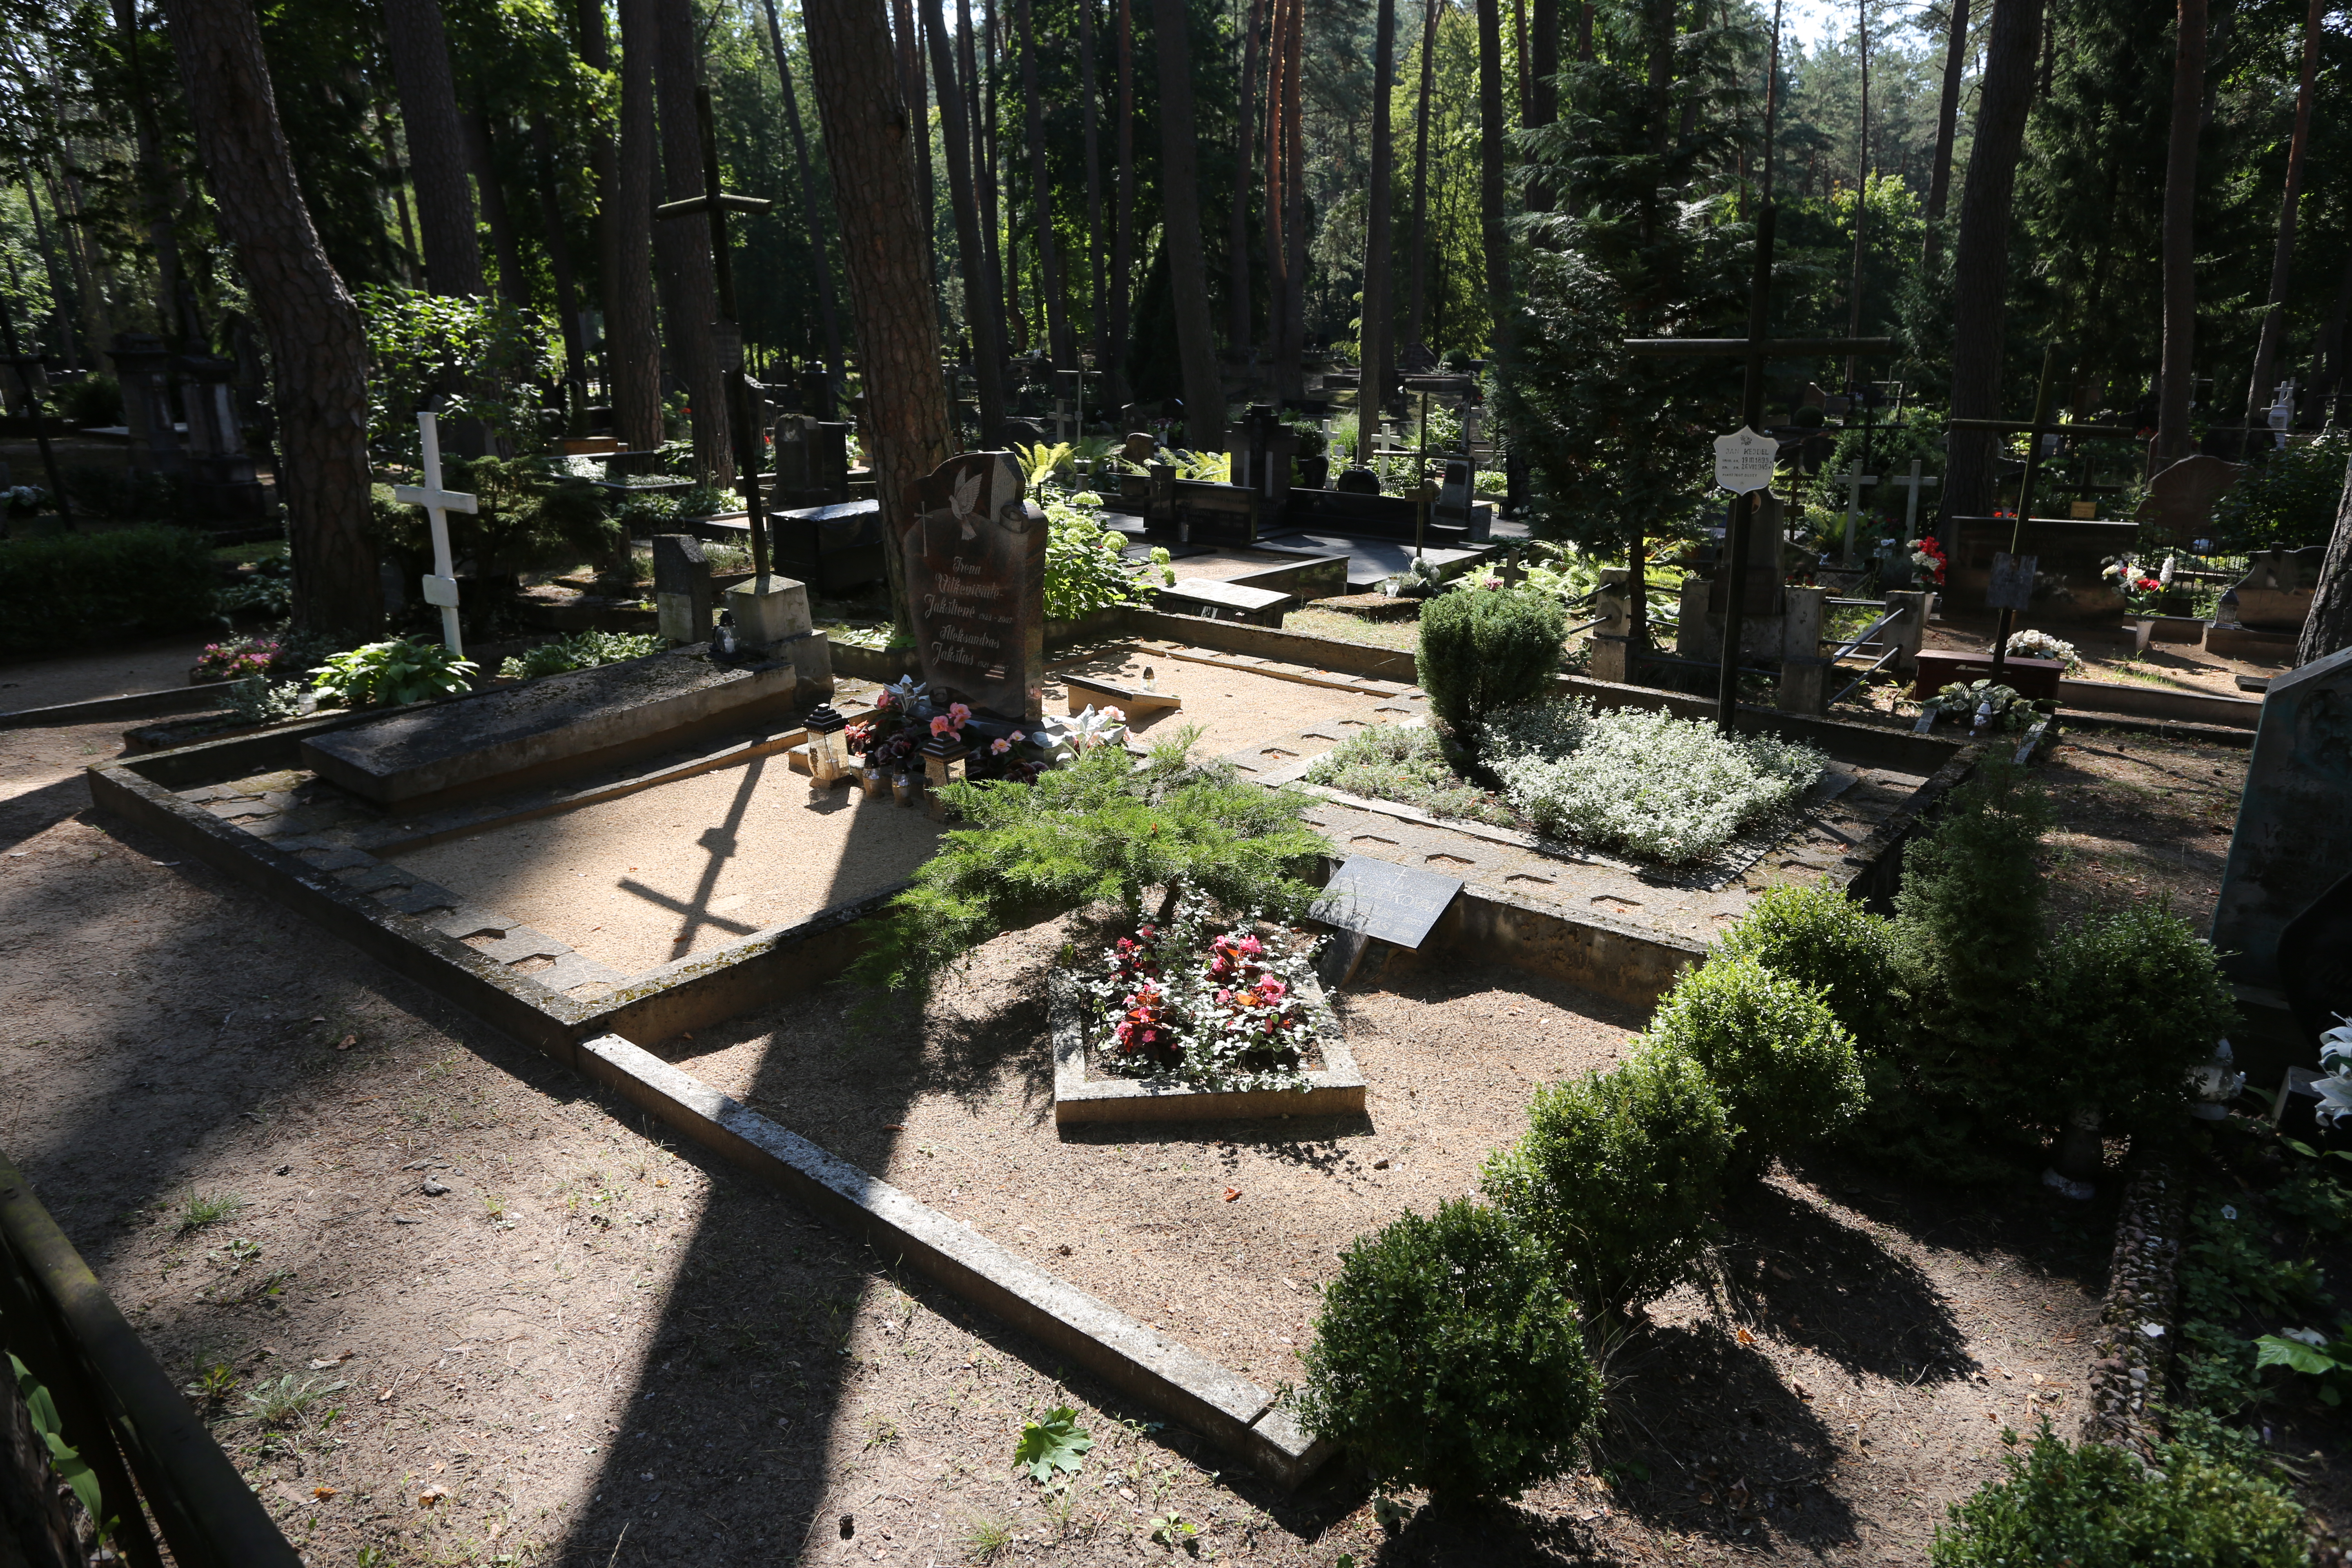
[
  {"x": 681, "y": 589},
  {"x": 975, "y": 553},
  {"x": 1377, "y": 900},
  {"x": 2294, "y": 835}
]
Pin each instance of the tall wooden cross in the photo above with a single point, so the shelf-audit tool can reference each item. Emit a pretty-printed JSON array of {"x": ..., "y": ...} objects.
[
  {"x": 2042, "y": 424},
  {"x": 726, "y": 334},
  {"x": 1752, "y": 351},
  {"x": 441, "y": 586}
]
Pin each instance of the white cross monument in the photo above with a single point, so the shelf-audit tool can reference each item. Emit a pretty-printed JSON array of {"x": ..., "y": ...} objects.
[
  {"x": 1855, "y": 479},
  {"x": 1911, "y": 483},
  {"x": 441, "y": 584}
]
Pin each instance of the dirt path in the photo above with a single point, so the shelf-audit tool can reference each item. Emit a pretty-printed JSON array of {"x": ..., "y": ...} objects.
[{"x": 593, "y": 1331}]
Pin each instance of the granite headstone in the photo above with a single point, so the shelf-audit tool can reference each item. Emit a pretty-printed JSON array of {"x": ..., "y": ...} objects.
[
  {"x": 681, "y": 588},
  {"x": 975, "y": 553},
  {"x": 2294, "y": 835}
]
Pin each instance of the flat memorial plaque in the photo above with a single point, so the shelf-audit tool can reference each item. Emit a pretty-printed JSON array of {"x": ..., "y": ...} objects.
[
  {"x": 1381, "y": 899},
  {"x": 975, "y": 558}
]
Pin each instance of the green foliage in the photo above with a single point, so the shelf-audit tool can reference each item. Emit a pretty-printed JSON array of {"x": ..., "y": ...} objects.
[
  {"x": 1485, "y": 650},
  {"x": 1619, "y": 1175},
  {"x": 1446, "y": 1356},
  {"x": 92, "y": 400},
  {"x": 388, "y": 674},
  {"x": 2139, "y": 999},
  {"x": 1783, "y": 1064},
  {"x": 1097, "y": 829},
  {"x": 64, "y": 1459},
  {"x": 1407, "y": 762},
  {"x": 65, "y": 588},
  {"x": 528, "y": 517},
  {"x": 581, "y": 651},
  {"x": 1968, "y": 922},
  {"x": 267, "y": 591},
  {"x": 1820, "y": 938},
  {"x": 2329, "y": 1361},
  {"x": 1085, "y": 571},
  {"x": 257, "y": 700},
  {"x": 2096, "y": 1507},
  {"x": 480, "y": 354},
  {"x": 288, "y": 1400},
  {"x": 2285, "y": 499},
  {"x": 1055, "y": 1442}
]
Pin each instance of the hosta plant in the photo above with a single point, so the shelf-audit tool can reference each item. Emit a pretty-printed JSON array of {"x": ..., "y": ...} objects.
[{"x": 387, "y": 674}]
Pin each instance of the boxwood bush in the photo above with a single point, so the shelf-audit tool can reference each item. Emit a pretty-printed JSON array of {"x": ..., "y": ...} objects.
[
  {"x": 1783, "y": 1064},
  {"x": 2139, "y": 998},
  {"x": 1448, "y": 1356},
  {"x": 65, "y": 588},
  {"x": 1484, "y": 650},
  {"x": 2096, "y": 1507},
  {"x": 1619, "y": 1175},
  {"x": 1818, "y": 936}
]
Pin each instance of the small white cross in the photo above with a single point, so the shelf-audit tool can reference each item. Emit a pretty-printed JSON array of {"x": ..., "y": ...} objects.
[
  {"x": 1911, "y": 483},
  {"x": 441, "y": 586}
]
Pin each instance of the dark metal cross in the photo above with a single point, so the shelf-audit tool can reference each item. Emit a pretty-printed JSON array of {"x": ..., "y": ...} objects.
[
  {"x": 2039, "y": 426},
  {"x": 1753, "y": 351},
  {"x": 725, "y": 333}
]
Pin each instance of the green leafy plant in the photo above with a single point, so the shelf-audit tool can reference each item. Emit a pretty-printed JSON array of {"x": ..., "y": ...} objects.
[
  {"x": 1095, "y": 830},
  {"x": 2096, "y": 1507},
  {"x": 1485, "y": 650},
  {"x": 1409, "y": 764},
  {"x": 267, "y": 591},
  {"x": 1817, "y": 936},
  {"x": 581, "y": 651},
  {"x": 1619, "y": 1175},
  {"x": 984, "y": 1538},
  {"x": 1085, "y": 569},
  {"x": 64, "y": 1459},
  {"x": 1052, "y": 1442},
  {"x": 1173, "y": 1530},
  {"x": 2139, "y": 999},
  {"x": 483, "y": 356},
  {"x": 257, "y": 700},
  {"x": 2312, "y": 1353},
  {"x": 67, "y": 588},
  {"x": 1783, "y": 1065},
  {"x": 1041, "y": 462},
  {"x": 2285, "y": 499},
  {"x": 388, "y": 674},
  {"x": 1448, "y": 1356}
]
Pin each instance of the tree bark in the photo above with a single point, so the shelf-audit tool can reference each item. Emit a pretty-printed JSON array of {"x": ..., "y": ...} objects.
[
  {"x": 1541, "y": 67},
  {"x": 437, "y": 145},
  {"x": 1041, "y": 196},
  {"x": 1860, "y": 190},
  {"x": 979, "y": 287},
  {"x": 2327, "y": 627},
  {"x": 2181, "y": 234},
  {"x": 1289, "y": 373},
  {"x": 689, "y": 289},
  {"x": 1122, "y": 255},
  {"x": 1237, "y": 267},
  {"x": 559, "y": 261},
  {"x": 1948, "y": 123},
  {"x": 1373, "y": 317},
  {"x": 2258, "y": 388},
  {"x": 911, "y": 80},
  {"x": 867, "y": 131},
  {"x": 1980, "y": 252},
  {"x": 317, "y": 353},
  {"x": 983, "y": 174},
  {"x": 483, "y": 153},
  {"x": 632, "y": 342},
  {"x": 1416, "y": 313},
  {"x": 596, "y": 51},
  {"x": 1088, "y": 91},
  {"x": 1494, "y": 239},
  {"x": 818, "y": 231},
  {"x": 1179, "y": 229}
]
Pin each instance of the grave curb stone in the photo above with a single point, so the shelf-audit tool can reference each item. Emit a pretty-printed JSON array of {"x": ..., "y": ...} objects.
[{"x": 1337, "y": 1090}]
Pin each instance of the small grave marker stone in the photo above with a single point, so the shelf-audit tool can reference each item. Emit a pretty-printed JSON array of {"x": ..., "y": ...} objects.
[
  {"x": 681, "y": 589},
  {"x": 1372, "y": 901},
  {"x": 2294, "y": 835},
  {"x": 975, "y": 552}
]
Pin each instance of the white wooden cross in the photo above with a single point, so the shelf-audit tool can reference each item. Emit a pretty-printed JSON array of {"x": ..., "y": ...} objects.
[
  {"x": 1855, "y": 479},
  {"x": 1911, "y": 483},
  {"x": 441, "y": 584}
]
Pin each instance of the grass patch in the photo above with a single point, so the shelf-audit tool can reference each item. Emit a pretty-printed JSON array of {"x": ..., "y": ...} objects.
[
  {"x": 198, "y": 1210},
  {"x": 1407, "y": 763}
]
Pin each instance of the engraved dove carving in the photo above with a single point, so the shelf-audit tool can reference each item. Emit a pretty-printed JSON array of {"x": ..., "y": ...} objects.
[{"x": 964, "y": 502}]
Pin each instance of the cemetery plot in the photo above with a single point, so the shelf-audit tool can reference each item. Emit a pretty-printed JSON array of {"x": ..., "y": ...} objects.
[{"x": 1229, "y": 698}]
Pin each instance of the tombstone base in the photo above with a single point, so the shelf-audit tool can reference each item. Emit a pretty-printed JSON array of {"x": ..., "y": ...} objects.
[{"x": 768, "y": 610}]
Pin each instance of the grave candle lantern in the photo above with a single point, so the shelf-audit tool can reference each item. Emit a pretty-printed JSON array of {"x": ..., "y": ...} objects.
[
  {"x": 943, "y": 764},
  {"x": 828, "y": 761}
]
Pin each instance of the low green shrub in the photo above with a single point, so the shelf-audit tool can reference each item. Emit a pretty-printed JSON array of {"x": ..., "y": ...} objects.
[
  {"x": 1483, "y": 650},
  {"x": 1819, "y": 937},
  {"x": 2139, "y": 998},
  {"x": 1619, "y": 1175},
  {"x": 1783, "y": 1065},
  {"x": 581, "y": 651},
  {"x": 1446, "y": 1356},
  {"x": 61, "y": 589},
  {"x": 388, "y": 674},
  {"x": 2091, "y": 1506},
  {"x": 2286, "y": 499},
  {"x": 1407, "y": 762},
  {"x": 1968, "y": 920}
]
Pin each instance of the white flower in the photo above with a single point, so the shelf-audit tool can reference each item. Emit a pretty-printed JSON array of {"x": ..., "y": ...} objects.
[
  {"x": 2164, "y": 572},
  {"x": 2335, "y": 1099},
  {"x": 2312, "y": 1337},
  {"x": 2229, "y": 1211}
]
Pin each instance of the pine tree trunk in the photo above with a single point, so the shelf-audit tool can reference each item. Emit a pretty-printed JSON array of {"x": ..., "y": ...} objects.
[
  {"x": 596, "y": 51},
  {"x": 1290, "y": 368},
  {"x": 1237, "y": 267},
  {"x": 481, "y": 150},
  {"x": 1416, "y": 312},
  {"x": 1088, "y": 91},
  {"x": 868, "y": 129},
  {"x": 1122, "y": 255},
  {"x": 682, "y": 245},
  {"x": 2181, "y": 234},
  {"x": 559, "y": 261},
  {"x": 1278, "y": 68},
  {"x": 978, "y": 288},
  {"x": 317, "y": 352},
  {"x": 2258, "y": 388},
  {"x": 1373, "y": 316},
  {"x": 1543, "y": 92},
  {"x": 1041, "y": 195},
  {"x": 1861, "y": 196},
  {"x": 2328, "y": 626},
  {"x": 1948, "y": 122},
  {"x": 437, "y": 145},
  {"x": 910, "y": 79},
  {"x": 1179, "y": 229},
  {"x": 819, "y": 233},
  {"x": 632, "y": 342},
  {"x": 1980, "y": 253},
  {"x": 983, "y": 174},
  {"x": 1494, "y": 238}
]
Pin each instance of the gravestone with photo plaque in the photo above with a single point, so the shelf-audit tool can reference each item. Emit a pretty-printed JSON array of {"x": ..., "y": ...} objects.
[{"x": 975, "y": 553}]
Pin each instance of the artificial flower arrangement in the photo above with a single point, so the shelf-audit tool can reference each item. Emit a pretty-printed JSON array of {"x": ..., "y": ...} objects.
[
  {"x": 1990, "y": 705},
  {"x": 1927, "y": 559},
  {"x": 1206, "y": 1000},
  {"x": 237, "y": 658},
  {"x": 2041, "y": 645},
  {"x": 906, "y": 719},
  {"x": 2139, "y": 590}
]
